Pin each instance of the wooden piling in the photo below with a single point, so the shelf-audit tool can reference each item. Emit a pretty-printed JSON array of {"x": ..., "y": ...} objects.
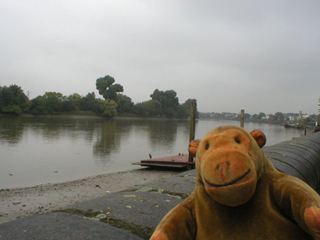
[
  {"x": 193, "y": 113},
  {"x": 317, "y": 128},
  {"x": 242, "y": 118}
]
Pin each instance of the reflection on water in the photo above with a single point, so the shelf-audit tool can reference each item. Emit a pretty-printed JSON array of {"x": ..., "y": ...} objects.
[
  {"x": 11, "y": 130},
  {"x": 107, "y": 139},
  {"x": 41, "y": 150}
]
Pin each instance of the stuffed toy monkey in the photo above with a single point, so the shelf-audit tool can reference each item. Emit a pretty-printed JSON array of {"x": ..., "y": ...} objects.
[{"x": 240, "y": 195}]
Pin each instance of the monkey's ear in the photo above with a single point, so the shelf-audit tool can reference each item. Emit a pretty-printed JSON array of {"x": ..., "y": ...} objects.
[
  {"x": 193, "y": 147},
  {"x": 259, "y": 137}
]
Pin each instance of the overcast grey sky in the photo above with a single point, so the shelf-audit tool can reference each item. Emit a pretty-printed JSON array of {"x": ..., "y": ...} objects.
[{"x": 261, "y": 56}]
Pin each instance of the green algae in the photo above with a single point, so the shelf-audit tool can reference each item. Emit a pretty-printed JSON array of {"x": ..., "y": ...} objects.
[{"x": 135, "y": 229}]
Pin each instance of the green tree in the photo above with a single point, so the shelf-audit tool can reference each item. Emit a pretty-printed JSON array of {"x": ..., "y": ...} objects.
[
  {"x": 183, "y": 111},
  {"x": 279, "y": 116},
  {"x": 107, "y": 88},
  {"x": 107, "y": 108},
  {"x": 67, "y": 106},
  {"x": 302, "y": 122},
  {"x": 54, "y": 101},
  {"x": 75, "y": 100},
  {"x": 187, "y": 103},
  {"x": 11, "y": 109},
  {"x": 255, "y": 116},
  {"x": 39, "y": 106},
  {"x": 261, "y": 115},
  {"x": 149, "y": 108},
  {"x": 247, "y": 116},
  {"x": 89, "y": 102},
  {"x": 168, "y": 100},
  {"x": 125, "y": 105},
  {"x": 49, "y": 103},
  {"x": 171, "y": 113},
  {"x": 13, "y": 99}
]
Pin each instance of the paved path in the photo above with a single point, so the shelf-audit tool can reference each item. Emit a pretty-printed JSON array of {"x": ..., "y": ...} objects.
[{"x": 131, "y": 214}]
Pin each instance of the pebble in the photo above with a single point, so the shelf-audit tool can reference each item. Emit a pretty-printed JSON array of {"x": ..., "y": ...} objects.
[
  {"x": 101, "y": 216},
  {"x": 130, "y": 196}
]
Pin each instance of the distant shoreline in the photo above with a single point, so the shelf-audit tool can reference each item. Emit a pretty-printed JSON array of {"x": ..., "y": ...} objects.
[
  {"x": 135, "y": 117},
  {"x": 67, "y": 115}
]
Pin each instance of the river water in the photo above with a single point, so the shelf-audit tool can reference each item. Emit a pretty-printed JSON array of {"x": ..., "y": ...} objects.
[{"x": 38, "y": 150}]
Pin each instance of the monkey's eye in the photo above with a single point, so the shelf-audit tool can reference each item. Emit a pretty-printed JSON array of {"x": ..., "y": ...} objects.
[
  {"x": 237, "y": 140},
  {"x": 207, "y": 146}
]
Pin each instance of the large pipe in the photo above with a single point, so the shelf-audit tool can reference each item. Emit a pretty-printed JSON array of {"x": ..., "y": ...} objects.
[{"x": 299, "y": 157}]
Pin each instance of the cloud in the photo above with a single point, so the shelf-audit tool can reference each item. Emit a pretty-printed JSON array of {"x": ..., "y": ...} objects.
[{"x": 258, "y": 55}]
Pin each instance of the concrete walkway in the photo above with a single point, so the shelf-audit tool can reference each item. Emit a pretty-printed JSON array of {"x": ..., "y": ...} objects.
[{"x": 131, "y": 214}]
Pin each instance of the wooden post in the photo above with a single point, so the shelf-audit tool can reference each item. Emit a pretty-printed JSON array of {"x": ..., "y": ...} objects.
[
  {"x": 317, "y": 127},
  {"x": 305, "y": 129},
  {"x": 242, "y": 118},
  {"x": 193, "y": 113}
]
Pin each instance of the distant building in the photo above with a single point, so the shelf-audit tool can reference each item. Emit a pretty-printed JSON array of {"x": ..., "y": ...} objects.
[
  {"x": 229, "y": 115},
  {"x": 292, "y": 116}
]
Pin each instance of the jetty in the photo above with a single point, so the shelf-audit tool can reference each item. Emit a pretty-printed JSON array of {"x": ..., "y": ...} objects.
[{"x": 177, "y": 161}]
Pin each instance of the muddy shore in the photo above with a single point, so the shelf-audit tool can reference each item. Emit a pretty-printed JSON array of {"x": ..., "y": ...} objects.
[{"x": 20, "y": 202}]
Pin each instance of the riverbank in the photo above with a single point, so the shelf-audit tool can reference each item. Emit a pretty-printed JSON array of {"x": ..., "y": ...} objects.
[
  {"x": 92, "y": 115},
  {"x": 20, "y": 202}
]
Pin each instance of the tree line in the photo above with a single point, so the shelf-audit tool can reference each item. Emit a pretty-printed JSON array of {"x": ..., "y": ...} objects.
[{"x": 162, "y": 103}]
